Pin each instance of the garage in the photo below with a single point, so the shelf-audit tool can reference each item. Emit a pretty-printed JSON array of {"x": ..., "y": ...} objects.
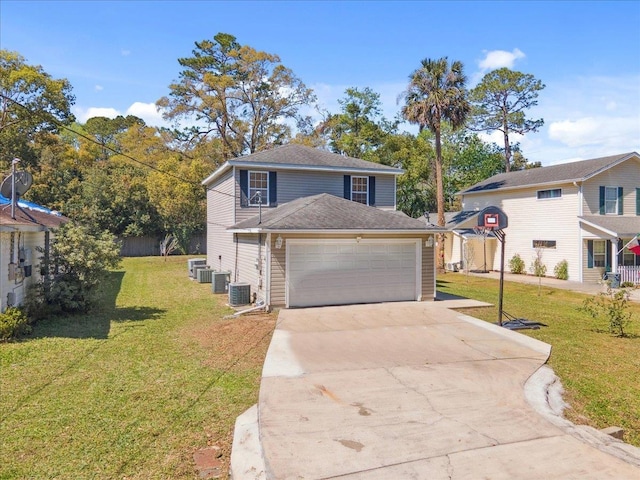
[{"x": 347, "y": 271}]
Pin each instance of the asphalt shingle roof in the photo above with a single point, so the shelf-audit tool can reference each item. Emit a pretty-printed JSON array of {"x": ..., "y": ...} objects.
[
  {"x": 622, "y": 226},
  {"x": 300, "y": 155},
  {"x": 566, "y": 172},
  {"x": 328, "y": 212}
]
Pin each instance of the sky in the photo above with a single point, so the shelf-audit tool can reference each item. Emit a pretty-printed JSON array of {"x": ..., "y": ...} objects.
[{"x": 121, "y": 57}]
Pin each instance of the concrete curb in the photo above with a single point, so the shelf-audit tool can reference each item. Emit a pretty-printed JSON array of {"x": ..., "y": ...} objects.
[
  {"x": 543, "y": 391},
  {"x": 247, "y": 461}
]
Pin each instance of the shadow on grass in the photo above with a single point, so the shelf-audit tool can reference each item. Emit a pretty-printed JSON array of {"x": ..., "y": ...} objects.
[{"x": 96, "y": 323}]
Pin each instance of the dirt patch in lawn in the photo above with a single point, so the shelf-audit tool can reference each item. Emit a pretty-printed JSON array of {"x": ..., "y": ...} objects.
[
  {"x": 239, "y": 342},
  {"x": 231, "y": 345}
]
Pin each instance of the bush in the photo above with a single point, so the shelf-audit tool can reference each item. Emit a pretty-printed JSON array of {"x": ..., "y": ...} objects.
[
  {"x": 628, "y": 285},
  {"x": 561, "y": 270},
  {"x": 612, "y": 306},
  {"x": 516, "y": 264},
  {"x": 78, "y": 260},
  {"x": 13, "y": 323}
]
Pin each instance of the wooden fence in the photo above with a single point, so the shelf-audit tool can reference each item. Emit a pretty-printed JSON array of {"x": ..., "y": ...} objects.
[{"x": 150, "y": 246}]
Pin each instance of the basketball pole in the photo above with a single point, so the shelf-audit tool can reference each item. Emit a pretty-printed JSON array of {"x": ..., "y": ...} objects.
[{"x": 501, "y": 236}]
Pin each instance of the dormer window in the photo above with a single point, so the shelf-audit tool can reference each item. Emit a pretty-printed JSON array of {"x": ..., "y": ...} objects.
[{"x": 360, "y": 189}]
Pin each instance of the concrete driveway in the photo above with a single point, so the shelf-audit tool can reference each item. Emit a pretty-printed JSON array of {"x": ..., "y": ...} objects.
[{"x": 413, "y": 390}]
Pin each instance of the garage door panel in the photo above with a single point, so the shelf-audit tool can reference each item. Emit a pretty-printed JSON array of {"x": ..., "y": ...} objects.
[{"x": 343, "y": 273}]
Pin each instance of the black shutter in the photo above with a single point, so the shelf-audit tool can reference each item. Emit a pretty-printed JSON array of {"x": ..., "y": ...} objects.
[
  {"x": 637, "y": 201},
  {"x": 620, "y": 202},
  {"x": 589, "y": 253},
  {"x": 347, "y": 187},
  {"x": 372, "y": 191},
  {"x": 619, "y": 249},
  {"x": 601, "y": 200},
  {"x": 273, "y": 189},
  {"x": 607, "y": 256},
  {"x": 244, "y": 188}
]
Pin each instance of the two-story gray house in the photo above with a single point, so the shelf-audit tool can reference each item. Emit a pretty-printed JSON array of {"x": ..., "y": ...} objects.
[
  {"x": 306, "y": 227},
  {"x": 582, "y": 212}
]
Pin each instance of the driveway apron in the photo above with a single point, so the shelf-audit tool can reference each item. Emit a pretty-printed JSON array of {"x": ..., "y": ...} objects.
[{"x": 410, "y": 390}]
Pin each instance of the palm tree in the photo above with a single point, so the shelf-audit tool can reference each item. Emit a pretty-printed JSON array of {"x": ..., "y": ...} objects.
[{"x": 437, "y": 94}]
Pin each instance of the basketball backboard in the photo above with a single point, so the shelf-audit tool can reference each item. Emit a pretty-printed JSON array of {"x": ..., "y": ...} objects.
[{"x": 493, "y": 218}]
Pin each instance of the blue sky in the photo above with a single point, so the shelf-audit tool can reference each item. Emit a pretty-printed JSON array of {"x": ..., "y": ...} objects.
[{"x": 120, "y": 57}]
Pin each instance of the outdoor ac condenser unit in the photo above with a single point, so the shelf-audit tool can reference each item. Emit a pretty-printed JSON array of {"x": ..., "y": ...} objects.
[
  {"x": 204, "y": 275},
  {"x": 220, "y": 281},
  {"x": 451, "y": 266},
  {"x": 239, "y": 294},
  {"x": 191, "y": 263}
]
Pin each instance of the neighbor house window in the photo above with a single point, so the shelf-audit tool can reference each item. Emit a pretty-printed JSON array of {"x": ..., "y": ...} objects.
[
  {"x": 611, "y": 200},
  {"x": 360, "y": 189},
  {"x": 599, "y": 253},
  {"x": 553, "y": 193},
  {"x": 544, "y": 244},
  {"x": 258, "y": 188},
  {"x": 629, "y": 259}
]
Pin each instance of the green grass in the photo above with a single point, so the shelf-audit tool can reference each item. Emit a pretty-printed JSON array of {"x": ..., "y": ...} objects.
[
  {"x": 133, "y": 389},
  {"x": 598, "y": 371}
]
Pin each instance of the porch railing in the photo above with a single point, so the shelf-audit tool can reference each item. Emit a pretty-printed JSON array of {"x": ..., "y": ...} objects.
[{"x": 629, "y": 274}]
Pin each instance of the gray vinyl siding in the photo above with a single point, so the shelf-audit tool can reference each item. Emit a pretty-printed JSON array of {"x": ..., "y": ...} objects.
[
  {"x": 251, "y": 247},
  {"x": 278, "y": 263},
  {"x": 292, "y": 185},
  {"x": 220, "y": 215},
  {"x": 625, "y": 175}
]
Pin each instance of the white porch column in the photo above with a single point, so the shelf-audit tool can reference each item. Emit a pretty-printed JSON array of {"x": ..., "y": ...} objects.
[{"x": 614, "y": 255}]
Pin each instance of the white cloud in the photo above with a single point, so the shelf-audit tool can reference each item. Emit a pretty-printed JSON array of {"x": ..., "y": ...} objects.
[
  {"x": 495, "y": 59},
  {"x": 98, "y": 88},
  {"x": 603, "y": 131},
  {"x": 125, "y": 53},
  {"x": 148, "y": 112},
  {"x": 82, "y": 115}
]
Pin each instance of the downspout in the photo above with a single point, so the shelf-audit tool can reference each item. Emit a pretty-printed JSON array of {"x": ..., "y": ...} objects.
[{"x": 580, "y": 238}]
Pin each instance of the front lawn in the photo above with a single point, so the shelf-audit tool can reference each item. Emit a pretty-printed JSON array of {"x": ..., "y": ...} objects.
[
  {"x": 598, "y": 371},
  {"x": 133, "y": 389}
]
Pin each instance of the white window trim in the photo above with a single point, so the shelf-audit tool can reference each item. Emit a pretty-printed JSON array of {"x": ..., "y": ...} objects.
[
  {"x": 615, "y": 212},
  {"x": 548, "y": 190},
  {"x": 252, "y": 202},
  {"x": 366, "y": 193}
]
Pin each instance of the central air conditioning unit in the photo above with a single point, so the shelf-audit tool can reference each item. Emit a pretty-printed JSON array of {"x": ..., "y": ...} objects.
[
  {"x": 220, "y": 282},
  {"x": 451, "y": 266},
  {"x": 204, "y": 274},
  {"x": 191, "y": 263},
  {"x": 239, "y": 294}
]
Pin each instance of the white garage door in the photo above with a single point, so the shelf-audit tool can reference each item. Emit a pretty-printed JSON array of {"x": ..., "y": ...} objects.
[{"x": 341, "y": 272}]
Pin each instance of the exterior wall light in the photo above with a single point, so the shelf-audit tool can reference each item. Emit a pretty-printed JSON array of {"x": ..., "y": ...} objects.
[{"x": 279, "y": 242}]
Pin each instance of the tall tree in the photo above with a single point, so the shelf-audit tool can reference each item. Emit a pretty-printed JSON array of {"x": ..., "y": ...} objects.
[
  {"x": 31, "y": 102},
  {"x": 437, "y": 94},
  {"x": 360, "y": 129},
  {"x": 500, "y": 102},
  {"x": 243, "y": 96}
]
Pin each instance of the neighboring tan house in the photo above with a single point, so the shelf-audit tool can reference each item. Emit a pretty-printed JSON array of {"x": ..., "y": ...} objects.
[
  {"x": 582, "y": 212},
  {"x": 306, "y": 227},
  {"x": 20, "y": 235}
]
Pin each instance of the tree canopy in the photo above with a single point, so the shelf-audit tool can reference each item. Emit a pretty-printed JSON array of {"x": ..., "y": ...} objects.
[
  {"x": 31, "y": 102},
  {"x": 238, "y": 94},
  {"x": 500, "y": 102}
]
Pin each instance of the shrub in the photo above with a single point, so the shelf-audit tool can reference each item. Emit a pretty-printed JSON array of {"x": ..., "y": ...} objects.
[
  {"x": 516, "y": 264},
  {"x": 13, "y": 323},
  {"x": 561, "y": 270},
  {"x": 613, "y": 306},
  {"x": 628, "y": 285},
  {"x": 78, "y": 260}
]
